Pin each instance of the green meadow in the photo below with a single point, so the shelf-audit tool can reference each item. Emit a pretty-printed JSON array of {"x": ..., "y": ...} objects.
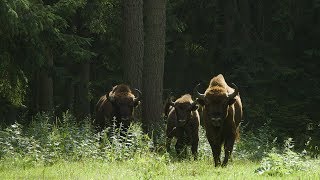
[
  {"x": 146, "y": 167},
  {"x": 66, "y": 150}
]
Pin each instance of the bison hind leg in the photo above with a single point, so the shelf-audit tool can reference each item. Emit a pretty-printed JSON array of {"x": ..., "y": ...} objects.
[{"x": 168, "y": 143}]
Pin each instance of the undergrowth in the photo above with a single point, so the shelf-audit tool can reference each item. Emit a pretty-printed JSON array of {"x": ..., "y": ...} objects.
[{"x": 44, "y": 142}]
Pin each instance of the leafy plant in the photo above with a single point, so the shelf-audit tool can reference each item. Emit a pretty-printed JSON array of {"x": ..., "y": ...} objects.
[
  {"x": 255, "y": 145},
  {"x": 283, "y": 163},
  {"x": 44, "y": 141}
]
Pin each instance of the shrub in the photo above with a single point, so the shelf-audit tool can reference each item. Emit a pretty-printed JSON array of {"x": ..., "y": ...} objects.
[
  {"x": 283, "y": 162},
  {"x": 255, "y": 145},
  {"x": 45, "y": 141}
]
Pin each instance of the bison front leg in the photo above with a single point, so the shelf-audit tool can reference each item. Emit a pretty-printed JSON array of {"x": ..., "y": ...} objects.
[
  {"x": 216, "y": 152},
  {"x": 228, "y": 147},
  {"x": 179, "y": 146},
  {"x": 194, "y": 149},
  {"x": 98, "y": 123},
  {"x": 168, "y": 143},
  {"x": 171, "y": 132}
]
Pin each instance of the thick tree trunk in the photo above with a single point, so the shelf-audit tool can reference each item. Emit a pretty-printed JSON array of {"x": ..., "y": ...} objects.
[
  {"x": 153, "y": 65},
  {"x": 46, "y": 84},
  {"x": 81, "y": 92},
  {"x": 69, "y": 100},
  {"x": 132, "y": 47},
  {"x": 84, "y": 90},
  {"x": 35, "y": 94}
]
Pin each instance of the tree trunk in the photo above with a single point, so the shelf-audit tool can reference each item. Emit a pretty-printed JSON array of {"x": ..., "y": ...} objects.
[
  {"x": 81, "y": 92},
  {"x": 132, "y": 47},
  {"x": 153, "y": 65},
  {"x": 35, "y": 93},
  {"x": 69, "y": 99},
  {"x": 46, "y": 84},
  {"x": 84, "y": 90}
]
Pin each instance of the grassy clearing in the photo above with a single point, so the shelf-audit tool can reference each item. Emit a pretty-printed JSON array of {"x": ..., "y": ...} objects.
[
  {"x": 151, "y": 167},
  {"x": 66, "y": 150}
]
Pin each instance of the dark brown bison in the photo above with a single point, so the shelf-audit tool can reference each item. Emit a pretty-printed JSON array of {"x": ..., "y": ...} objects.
[
  {"x": 222, "y": 113},
  {"x": 119, "y": 104},
  {"x": 183, "y": 123}
]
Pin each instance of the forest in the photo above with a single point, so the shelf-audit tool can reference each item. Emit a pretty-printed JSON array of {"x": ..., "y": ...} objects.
[{"x": 58, "y": 57}]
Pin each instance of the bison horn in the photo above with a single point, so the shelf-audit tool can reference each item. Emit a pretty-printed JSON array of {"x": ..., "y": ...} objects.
[
  {"x": 197, "y": 94},
  {"x": 235, "y": 93},
  {"x": 110, "y": 97},
  {"x": 171, "y": 102},
  {"x": 138, "y": 95}
]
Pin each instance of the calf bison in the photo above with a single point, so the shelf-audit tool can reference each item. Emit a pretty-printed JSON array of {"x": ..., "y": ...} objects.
[
  {"x": 222, "y": 113},
  {"x": 183, "y": 123},
  {"x": 118, "y": 104}
]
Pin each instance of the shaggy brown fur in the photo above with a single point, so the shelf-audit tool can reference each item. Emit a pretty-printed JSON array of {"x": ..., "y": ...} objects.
[
  {"x": 183, "y": 123},
  {"x": 222, "y": 115},
  {"x": 119, "y": 103}
]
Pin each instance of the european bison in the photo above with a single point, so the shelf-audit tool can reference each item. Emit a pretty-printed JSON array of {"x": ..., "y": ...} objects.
[
  {"x": 222, "y": 113},
  {"x": 183, "y": 123},
  {"x": 118, "y": 104}
]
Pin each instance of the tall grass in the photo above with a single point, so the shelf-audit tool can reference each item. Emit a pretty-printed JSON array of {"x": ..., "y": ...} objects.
[{"x": 45, "y": 142}]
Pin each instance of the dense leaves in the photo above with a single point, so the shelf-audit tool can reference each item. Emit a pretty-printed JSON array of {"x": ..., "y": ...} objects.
[{"x": 270, "y": 49}]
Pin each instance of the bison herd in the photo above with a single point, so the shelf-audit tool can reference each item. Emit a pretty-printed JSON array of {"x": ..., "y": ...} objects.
[{"x": 221, "y": 116}]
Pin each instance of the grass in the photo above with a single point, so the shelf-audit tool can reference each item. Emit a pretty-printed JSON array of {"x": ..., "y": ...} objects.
[
  {"x": 66, "y": 150},
  {"x": 146, "y": 167}
]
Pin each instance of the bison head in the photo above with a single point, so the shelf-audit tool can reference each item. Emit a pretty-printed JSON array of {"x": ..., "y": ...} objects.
[
  {"x": 123, "y": 101},
  {"x": 183, "y": 108},
  {"x": 216, "y": 101}
]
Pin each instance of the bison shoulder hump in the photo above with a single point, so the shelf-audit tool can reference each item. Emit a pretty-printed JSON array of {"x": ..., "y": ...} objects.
[{"x": 218, "y": 81}]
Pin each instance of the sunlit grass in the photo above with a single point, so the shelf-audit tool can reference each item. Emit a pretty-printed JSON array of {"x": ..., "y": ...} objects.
[
  {"x": 67, "y": 150},
  {"x": 146, "y": 167}
]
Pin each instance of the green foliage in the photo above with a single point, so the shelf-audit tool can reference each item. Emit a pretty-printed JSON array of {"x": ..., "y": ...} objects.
[
  {"x": 123, "y": 145},
  {"x": 255, "y": 145},
  {"x": 103, "y": 17},
  {"x": 287, "y": 162},
  {"x": 275, "y": 67},
  {"x": 28, "y": 30},
  {"x": 46, "y": 142},
  {"x": 276, "y": 70}
]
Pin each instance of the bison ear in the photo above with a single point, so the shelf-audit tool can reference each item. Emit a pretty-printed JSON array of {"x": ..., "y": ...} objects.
[
  {"x": 136, "y": 103},
  {"x": 170, "y": 102},
  {"x": 194, "y": 107},
  {"x": 231, "y": 101},
  {"x": 110, "y": 97},
  {"x": 200, "y": 101}
]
